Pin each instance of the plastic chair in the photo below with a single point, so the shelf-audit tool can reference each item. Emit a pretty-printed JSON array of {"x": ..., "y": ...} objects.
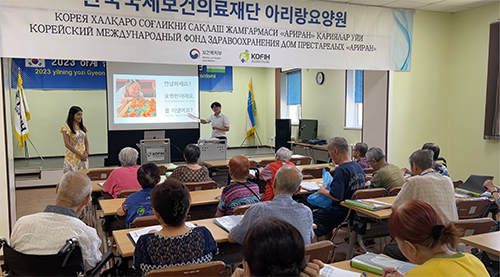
[
  {"x": 99, "y": 174},
  {"x": 144, "y": 221},
  {"x": 193, "y": 186},
  {"x": 321, "y": 250},
  {"x": 263, "y": 163},
  {"x": 163, "y": 169},
  {"x": 126, "y": 193},
  {"x": 317, "y": 172},
  {"x": 242, "y": 209},
  {"x": 301, "y": 160},
  {"x": 475, "y": 226},
  {"x": 215, "y": 268},
  {"x": 394, "y": 191},
  {"x": 67, "y": 262},
  {"x": 472, "y": 207},
  {"x": 457, "y": 183}
]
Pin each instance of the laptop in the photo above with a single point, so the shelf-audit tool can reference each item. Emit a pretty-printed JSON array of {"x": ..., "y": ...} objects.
[
  {"x": 475, "y": 183},
  {"x": 154, "y": 134}
]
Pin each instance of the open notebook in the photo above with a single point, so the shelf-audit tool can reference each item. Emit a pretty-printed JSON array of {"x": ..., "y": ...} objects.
[
  {"x": 228, "y": 222},
  {"x": 374, "y": 263}
]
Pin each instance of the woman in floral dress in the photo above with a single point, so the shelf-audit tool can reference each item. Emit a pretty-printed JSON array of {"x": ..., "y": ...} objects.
[{"x": 76, "y": 142}]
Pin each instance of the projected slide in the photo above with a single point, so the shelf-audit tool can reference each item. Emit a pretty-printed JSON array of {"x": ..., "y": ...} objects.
[{"x": 142, "y": 96}]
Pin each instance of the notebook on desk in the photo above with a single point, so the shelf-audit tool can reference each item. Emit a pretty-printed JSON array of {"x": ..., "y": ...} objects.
[
  {"x": 474, "y": 184},
  {"x": 369, "y": 204}
]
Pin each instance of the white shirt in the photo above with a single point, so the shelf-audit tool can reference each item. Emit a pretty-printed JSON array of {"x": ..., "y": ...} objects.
[
  {"x": 45, "y": 233},
  {"x": 220, "y": 121},
  {"x": 433, "y": 188}
]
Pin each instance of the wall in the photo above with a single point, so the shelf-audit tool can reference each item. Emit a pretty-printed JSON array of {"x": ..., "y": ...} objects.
[
  {"x": 421, "y": 96},
  {"x": 4, "y": 189},
  {"x": 49, "y": 110},
  {"x": 326, "y": 103},
  {"x": 469, "y": 153},
  {"x": 442, "y": 99}
]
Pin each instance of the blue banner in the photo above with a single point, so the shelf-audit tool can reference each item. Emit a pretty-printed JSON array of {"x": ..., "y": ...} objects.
[
  {"x": 59, "y": 74},
  {"x": 216, "y": 78}
]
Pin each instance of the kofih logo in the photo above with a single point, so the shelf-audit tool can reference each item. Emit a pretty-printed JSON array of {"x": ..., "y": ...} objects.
[
  {"x": 194, "y": 53},
  {"x": 244, "y": 56}
]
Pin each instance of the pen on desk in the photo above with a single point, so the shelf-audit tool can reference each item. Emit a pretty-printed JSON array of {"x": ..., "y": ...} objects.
[{"x": 364, "y": 274}]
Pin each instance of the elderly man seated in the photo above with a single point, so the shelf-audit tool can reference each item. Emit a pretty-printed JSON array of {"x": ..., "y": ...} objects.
[
  {"x": 267, "y": 173},
  {"x": 46, "y": 232},
  {"x": 124, "y": 177},
  {"x": 386, "y": 175},
  {"x": 286, "y": 184}
]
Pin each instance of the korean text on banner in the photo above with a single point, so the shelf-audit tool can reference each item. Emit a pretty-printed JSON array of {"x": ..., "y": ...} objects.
[
  {"x": 251, "y": 112},
  {"x": 22, "y": 114}
]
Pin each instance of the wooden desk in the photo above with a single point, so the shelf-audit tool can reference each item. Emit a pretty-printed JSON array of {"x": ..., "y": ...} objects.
[
  {"x": 489, "y": 242},
  {"x": 198, "y": 198},
  {"x": 380, "y": 214},
  {"x": 126, "y": 247},
  {"x": 346, "y": 265},
  {"x": 96, "y": 187}
]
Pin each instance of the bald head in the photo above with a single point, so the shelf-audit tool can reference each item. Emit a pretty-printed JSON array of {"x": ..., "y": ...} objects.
[
  {"x": 287, "y": 179},
  {"x": 73, "y": 189}
]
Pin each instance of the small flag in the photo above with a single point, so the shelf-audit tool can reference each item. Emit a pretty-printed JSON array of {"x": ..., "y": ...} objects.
[
  {"x": 22, "y": 114},
  {"x": 34, "y": 62},
  {"x": 251, "y": 112}
]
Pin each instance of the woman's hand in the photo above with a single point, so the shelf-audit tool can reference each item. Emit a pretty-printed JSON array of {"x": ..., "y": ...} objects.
[
  {"x": 387, "y": 272},
  {"x": 239, "y": 272},
  {"x": 81, "y": 156},
  {"x": 312, "y": 269}
]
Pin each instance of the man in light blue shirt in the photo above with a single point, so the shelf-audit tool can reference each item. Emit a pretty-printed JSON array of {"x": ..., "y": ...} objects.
[{"x": 286, "y": 184}]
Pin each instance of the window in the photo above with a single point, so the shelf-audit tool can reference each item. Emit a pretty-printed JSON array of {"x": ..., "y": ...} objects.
[
  {"x": 354, "y": 99},
  {"x": 291, "y": 95}
]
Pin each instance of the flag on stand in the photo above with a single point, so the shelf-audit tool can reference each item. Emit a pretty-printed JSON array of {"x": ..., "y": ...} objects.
[
  {"x": 22, "y": 114},
  {"x": 251, "y": 112}
]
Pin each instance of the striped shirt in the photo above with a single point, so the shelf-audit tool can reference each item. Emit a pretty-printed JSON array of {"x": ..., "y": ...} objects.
[{"x": 237, "y": 194}]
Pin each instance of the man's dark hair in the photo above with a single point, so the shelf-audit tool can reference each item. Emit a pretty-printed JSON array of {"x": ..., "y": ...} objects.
[
  {"x": 215, "y": 104},
  {"x": 434, "y": 147},
  {"x": 422, "y": 158},
  {"x": 191, "y": 153}
]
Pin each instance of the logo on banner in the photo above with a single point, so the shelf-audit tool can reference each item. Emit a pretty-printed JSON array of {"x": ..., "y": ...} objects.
[
  {"x": 34, "y": 62},
  {"x": 194, "y": 53},
  {"x": 244, "y": 56}
]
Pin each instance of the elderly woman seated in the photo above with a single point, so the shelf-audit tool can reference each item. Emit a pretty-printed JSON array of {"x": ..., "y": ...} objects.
[
  {"x": 124, "y": 177},
  {"x": 239, "y": 191},
  {"x": 192, "y": 171},
  {"x": 267, "y": 173}
]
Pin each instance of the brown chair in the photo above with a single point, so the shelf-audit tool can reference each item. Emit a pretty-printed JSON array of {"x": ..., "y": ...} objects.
[
  {"x": 368, "y": 170},
  {"x": 369, "y": 193},
  {"x": 240, "y": 210},
  {"x": 317, "y": 172},
  {"x": 99, "y": 174},
  {"x": 475, "y": 226},
  {"x": 457, "y": 183},
  {"x": 473, "y": 207},
  {"x": 214, "y": 268},
  {"x": 144, "y": 221},
  {"x": 307, "y": 177},
  {"x": 301, "y": 160},
  {"x": 263, "y": 163},
  {"x": 253, "y": 163},
  {"x": 163, "y": 169},
  {"x": 126, "y": 193},
  {"x": 321, "y": 250},
  {"x": 201, "y": 185},
  {"x": 394, "y": 191}
]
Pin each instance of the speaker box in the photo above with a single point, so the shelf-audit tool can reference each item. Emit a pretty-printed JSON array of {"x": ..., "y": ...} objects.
[{"x": 283, "y": 133}]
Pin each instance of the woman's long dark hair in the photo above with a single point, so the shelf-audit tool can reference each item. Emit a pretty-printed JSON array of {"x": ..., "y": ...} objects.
[{"x": 71, "y": 118}]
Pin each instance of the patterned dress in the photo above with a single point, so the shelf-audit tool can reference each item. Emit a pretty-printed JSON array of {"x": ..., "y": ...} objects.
[
  {"x": 185, "y": 174},
  {"x": 237, "y": 194},
  {"x": 154, "y": 251},
  {"x": 71, "y": 161}
]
